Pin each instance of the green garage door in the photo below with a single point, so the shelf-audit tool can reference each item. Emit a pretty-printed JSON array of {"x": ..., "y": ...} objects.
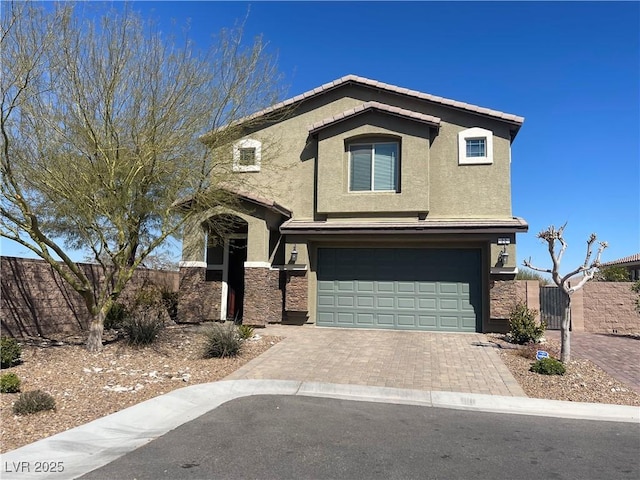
[{"x": 400, "y": 288}]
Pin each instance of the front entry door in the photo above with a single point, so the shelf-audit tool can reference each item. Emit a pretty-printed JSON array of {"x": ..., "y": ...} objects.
[{"x": 237, "y": 255}]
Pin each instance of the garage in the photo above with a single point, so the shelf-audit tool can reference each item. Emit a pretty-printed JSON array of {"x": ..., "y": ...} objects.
[{"x": 435, "y": 289}]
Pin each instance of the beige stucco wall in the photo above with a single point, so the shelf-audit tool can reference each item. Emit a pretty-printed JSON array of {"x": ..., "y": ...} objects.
[{"x": 430, "y": 175}]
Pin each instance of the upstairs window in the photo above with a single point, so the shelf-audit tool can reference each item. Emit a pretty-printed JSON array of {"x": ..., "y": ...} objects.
[
  {"x": 373, "y": 167},
  {"x": 475, "y": 147},
  {"x": 247, "y": 155}
]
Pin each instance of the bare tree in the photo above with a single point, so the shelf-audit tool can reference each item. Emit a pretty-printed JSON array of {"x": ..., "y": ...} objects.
[
  {"x": 101, "y": 118},
  {"x": 557, "y": 246}
]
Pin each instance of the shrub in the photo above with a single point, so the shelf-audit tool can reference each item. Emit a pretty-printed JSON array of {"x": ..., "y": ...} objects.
[
  {"x": 32, "y": 402},
  {"x": 222, "y": 340},
  {"x": 612, "y": 274},
  {"x": 9, "y": 383},
  {"x": 548, "y": 366},
  {"x": 245, "y": 331},
  {"x": 10, "y": 351},
  {"x": 143, "y": 327},
  {"x": 523, "y": 325},
  {"x": 635, "y": 288},
  {"x": 116, "y": 316}
]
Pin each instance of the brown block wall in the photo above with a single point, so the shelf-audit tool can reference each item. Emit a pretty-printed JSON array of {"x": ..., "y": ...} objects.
[
  {"x": 504, "y": 294},
  {"x": 36, "y": 301},
  {"x": 263, "y": 296},
  {"x": 609, "y": 307}
]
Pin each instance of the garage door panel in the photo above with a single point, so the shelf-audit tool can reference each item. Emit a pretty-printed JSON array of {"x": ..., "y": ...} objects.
[
  {"x": 365, "y": 286},
  {"x": 412, "y": 288},
  {"x": 385, "y": 302},
  {"x": 365, "y": 301},
  {"x": 449, "y": 321},
  {"x": 428, "y": 321},
  {"x": 345, "y": 286},
  {"x": 446, "y": 288},
  {"x": 427, "y": 304},
  {"x": 407, "y": 321},
  {"x": 365, "y": 319},
  {"x": 427, "y": 287},
  {"x": 449, "y": 304},
  {"x": 326, "y": 286},
  {"x": 346, "y": 301},
  {"x": 385, "y": 287},
  {"x": 343, "y": 318},
  {"x": 326, "y": 300},
  {"x": 406, "y": 303},
  {"x": 405, "y": 287},
  {"x": 386, "y": 319},
  {"x": 326, "y": 318},
  {"x": 468, "y": 322}
]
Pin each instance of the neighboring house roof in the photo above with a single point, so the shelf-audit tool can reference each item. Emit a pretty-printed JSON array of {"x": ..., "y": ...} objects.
[
  {"x": 424, "y": 226},
  {"x": 630, "y": 260},
  {"x": 515, "y": 120},
  {"x": 369, "y": 106}
]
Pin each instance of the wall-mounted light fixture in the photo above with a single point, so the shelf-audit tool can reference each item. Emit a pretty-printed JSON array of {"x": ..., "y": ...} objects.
[
  {"x": 503, "y": 258},
  {"x": 294, "y": 255}
]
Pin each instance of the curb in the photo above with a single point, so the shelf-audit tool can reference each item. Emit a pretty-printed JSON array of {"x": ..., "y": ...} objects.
[{"x": 87, "y": 447}]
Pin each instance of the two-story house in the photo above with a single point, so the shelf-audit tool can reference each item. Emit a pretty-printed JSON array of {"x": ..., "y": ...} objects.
[{"x": 364, "y": 205}]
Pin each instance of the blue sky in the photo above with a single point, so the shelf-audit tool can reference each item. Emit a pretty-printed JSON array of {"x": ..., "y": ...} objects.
[{"x": 571, "y": 69}]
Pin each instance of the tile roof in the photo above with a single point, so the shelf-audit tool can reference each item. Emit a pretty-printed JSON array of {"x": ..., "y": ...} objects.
[
  {"x": 243, "y": 195},
  {"x": 623, "y": 261},
  {"x": 418, "y": 226},
  {"x": 367, "y": 106},
  {"x": 259, "y": 200},
  {"x": 507, "y": 117}
]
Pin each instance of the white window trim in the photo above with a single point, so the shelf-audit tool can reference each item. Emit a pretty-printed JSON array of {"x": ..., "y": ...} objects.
[
  {"x": 247, "y": 143},
  {"x": 471, "y": 134},
  {"x": 373, "y": 168}
]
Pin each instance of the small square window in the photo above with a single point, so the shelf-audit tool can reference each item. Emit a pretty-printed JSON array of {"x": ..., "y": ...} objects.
[
  {"x": 247, "y": 156},
  {"x": 476, "y": 147}
]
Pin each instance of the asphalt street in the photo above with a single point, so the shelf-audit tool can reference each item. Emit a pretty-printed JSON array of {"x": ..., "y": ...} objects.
[{"x": 296, "y": 437}]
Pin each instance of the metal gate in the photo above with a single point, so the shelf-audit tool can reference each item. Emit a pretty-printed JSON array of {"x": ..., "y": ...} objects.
[{"x": 552, "y": 307}]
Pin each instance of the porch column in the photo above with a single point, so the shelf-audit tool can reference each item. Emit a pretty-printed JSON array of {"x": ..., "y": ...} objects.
[
  {"x": 199, "y": 294},
  {"x": 262, "y": 294}
]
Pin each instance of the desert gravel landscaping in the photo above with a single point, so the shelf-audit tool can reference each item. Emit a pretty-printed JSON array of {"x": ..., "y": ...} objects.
[{"x": 88, "y": 386}]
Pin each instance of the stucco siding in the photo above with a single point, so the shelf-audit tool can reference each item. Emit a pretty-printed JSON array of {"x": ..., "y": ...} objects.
[{"x": 431, "y": 178}]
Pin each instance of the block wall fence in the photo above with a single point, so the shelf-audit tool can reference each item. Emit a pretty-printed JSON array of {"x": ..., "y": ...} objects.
[{"x": 36, "y": 301}]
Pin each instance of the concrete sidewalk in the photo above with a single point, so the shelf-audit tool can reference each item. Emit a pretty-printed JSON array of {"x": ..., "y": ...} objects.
[{"x": 429, "y": 361}]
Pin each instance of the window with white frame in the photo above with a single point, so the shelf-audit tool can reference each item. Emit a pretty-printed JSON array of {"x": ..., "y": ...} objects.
[
  {"x": 247, "y": 155},
  {"x": 475, "y": 146},
  {"x": 373, "y": 167}
]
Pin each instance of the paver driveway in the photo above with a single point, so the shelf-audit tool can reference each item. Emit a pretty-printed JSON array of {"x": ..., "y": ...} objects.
[
  {"x": 454, "y": 362},
  {"x": 618, "y": 355}
]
